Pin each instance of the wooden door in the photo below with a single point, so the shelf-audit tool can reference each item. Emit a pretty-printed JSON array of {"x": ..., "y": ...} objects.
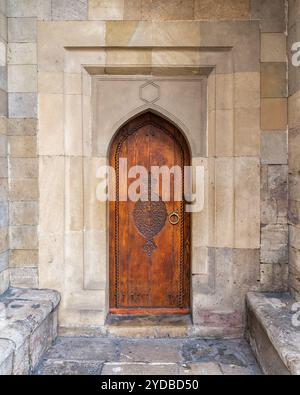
[{"x": 149, "y": 240}]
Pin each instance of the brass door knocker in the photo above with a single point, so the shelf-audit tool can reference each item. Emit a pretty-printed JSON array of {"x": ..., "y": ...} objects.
[{"x": 174, "y": 218}]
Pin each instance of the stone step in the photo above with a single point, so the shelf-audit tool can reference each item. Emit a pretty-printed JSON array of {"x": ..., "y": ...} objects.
[
  {"x": 28, "y": 326},
  {"x": 274, "y": 332}
]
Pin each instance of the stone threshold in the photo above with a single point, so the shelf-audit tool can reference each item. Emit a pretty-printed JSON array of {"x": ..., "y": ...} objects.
[
  {"x": 28, "y": 327},
  {"x": 273, "y": 338}
]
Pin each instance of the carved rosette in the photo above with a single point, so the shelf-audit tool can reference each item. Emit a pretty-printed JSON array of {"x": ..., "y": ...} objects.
[{"x": 150, "y": 218}]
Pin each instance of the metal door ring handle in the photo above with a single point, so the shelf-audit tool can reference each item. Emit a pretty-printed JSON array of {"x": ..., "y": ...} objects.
[{"x": 176, "y": 221}]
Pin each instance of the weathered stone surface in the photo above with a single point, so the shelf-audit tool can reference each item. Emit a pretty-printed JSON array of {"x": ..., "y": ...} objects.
[
  {"x": 274, "y": 194},
  {"x": 274, "y": 149},
  {"x": 23, "y": 213},
  {"x": 21, "y": 168},
  {"x": 271, "y": 14},
  {"x": 274, "y": 339},
  {"x": 274, "y": 244},
  {"x": 26, "y": 277},
  {"x": 21, "y": 127},
  {"x": 187, "y": 357},
  {"x": 21, "y": 54},
  {"x": 68, "y": 10},
  {"x": 23, "y": 258},
  {"x": 22, "y": 30},
  {"x": 294, "y": 150},
  {"x": 6, "y": 356},
  {"x": 222, "y": 10},
  {"x": 295, "y": 237},
  {"x": 23, "y": 237},
  {"x": 294, "y": 212},
  {"x": 24, "y": 312},
  {"x": 22, "y": 146},
  {"x": 274, "y": 114},
  {"x": 23, "y": 189},
  {"x": 273, "y": 80},
  {"x": 109, "y": 9},
  {"x": 273, "y": 47},
  {"x": 22, "y": 105},
  {"x": 29, "y": 8}
]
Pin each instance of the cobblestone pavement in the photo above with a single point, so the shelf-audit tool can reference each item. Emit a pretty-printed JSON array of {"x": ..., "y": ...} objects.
[{"x": 103, "y": 356}]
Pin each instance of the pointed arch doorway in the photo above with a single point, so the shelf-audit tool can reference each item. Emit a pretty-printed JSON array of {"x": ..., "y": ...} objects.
[{"x": 149, "y": 248}]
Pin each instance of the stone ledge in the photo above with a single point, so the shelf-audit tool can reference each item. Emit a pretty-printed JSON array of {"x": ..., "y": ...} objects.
[
  {"x": 275, "y": 342},
  {"x": 28, "y": 326}
]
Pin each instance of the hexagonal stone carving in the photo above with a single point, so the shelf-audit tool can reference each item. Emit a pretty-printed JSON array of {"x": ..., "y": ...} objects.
[{"x": 150, "y": 92}]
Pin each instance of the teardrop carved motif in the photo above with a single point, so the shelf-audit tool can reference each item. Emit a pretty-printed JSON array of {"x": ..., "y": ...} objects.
[{"x": 150, "y": 218}]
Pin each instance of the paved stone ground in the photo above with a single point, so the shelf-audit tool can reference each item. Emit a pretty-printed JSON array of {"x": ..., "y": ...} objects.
[{"x": 103, "y": 356}]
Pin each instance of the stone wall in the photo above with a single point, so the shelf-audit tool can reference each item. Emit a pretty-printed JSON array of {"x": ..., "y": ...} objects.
[
  {"x": 4, "y": 245},
  {"x": 255, "y": 92},
  {"x": 294, "y": 152}
]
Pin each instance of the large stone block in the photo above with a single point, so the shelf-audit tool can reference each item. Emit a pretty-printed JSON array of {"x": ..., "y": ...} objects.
[
  {"x": 23, "y": 258},
  {"x": 274, "y": 277},
  {"x": 273, "y": 80},
  {"x": 294, "y": 186},
  {"x": 274, "y": 149},
  {"x": 294, "y": 150},
  {"x": 247, "y": 132},
  {"x": 273, "y": 47},
  {"x": 293, "y": 110},
  {"x": 274, "y": 114},
  {"x": 22, "y": 146},
  {"x": 29, "y": 8},
  {"x": 274, "y": 194},
  {"x": 294, "y": 212},
  {"x": 3, "y": 168},
  {"x": 274, "y": 244},
  {"x": 23, "y": 213},
  {"x": 294, "y": 72},
  {"x": 3, "y": 214},
  {"x": 4, "y": 239},
  {"x": 23, "y": 168},
  {"x": 22, "y": 30},
  {"x": 109, "y": 9},
  {"x": 21, "y": 54},
  {"x": 68, "y": 10},
  {"x": 222, "y": 10},
  {"x": 24, "y": 277},
  {"x": 6, "y": 357},
  {"x": 23, "y": 237},
  {"x": 21, "y": 127},
  {"x": 271, "y": 14},
  {"x": 22, "y": 78},
  {"x": 22, "y": 105},
  {"x": 24, "y": 189},
  {"x": 3, "y": 103}
]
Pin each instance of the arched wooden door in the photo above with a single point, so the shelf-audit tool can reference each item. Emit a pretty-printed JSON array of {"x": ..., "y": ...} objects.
[{"x": 149, "y": 240}]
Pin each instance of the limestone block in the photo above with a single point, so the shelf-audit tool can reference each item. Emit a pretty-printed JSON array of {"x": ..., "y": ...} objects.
[
  {"x": 23, "y": 258},
  {"x": 51, "y": 143},
  {"x": 3, "y": 189},
  {"x": 25, "y": 277},
  {"x": 271, "y": 14},
  {"x": 274, "y": 150},
  {"x": 23, "y": 213},
  {"x": 274, "y": 114},
  {"x": 21, "y": 127},
  {"x": 3, "y": 126},
  {"x": 224, "y": 187},
  {"x": 22, "y": 78},
  {"x": 273, "y": 47},
  {"x": 3, "y": 146},
  {"x": 3, "y": 214},
  {"x": 69, "y": 10},
  {"x": 293, "y": 110},
  {"x": 274, "y": 194},
  {"x": 3, "y": 168},
  {"x": 3, "y": 261},
  {"x": 175, "y": 34},
  {"x": 247, "y": 203},
  {"x": 137, "y": 57},
  {"x": 22, "y": 30},
  {"x": 294, "y": 150},
  {"x": 22, "y": 146},
  {"x": 21, "y": 54},
  {"x": 40, "y": 340},
  {"x": 295, "y": 237},
  {"x": 132, "y": 10},
  {"x": 3, "y": 103},
  {"x": 3, "y": 239},
  {"x": 294, "y": 262},
  {"x": 22, "y": 105},
  {"x": 29, "y": 8},
  {"x": 23, "y": 189},
  {"x": 222, "y": 10},
  {"x": 3, "y": 78},
  {"x": 74, "y": 194},
  {"x": 23, "y": 237},
  {"x": 106, "y": 9},
  {"x": 95, "y": 260},
  {"x": 23, "y": 168},
  {"x": 6, "y": 357},
  {"x": 273, "y": 80},
  {"x": 3, "y": 26},
  {"x": 274, "y": 241},
  {"x": 50, "y": 82},
  {"x": 247, "y": 132},
  {"x": 72, "y": 84},
  {"x": 294, "y": 186},
  {"x": 73, "y": 125},
  {"x": 294, "y": 74},
  {"x": 52, "y": 198},
  {"x": 129, "y": 33},
  {"x": 294, "y": 212},
  {"x": 294, "y": 12},
  {"x": 2, "y": 53},
  {"x": 73, "y": 262},
  {"x": 274, "y": 277},
  {"x": 51, "y": 260},
  {"x": 247, "y": 90},
  {"x": 4, "y": 281},
  {"x": 224, "y": 133}
]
